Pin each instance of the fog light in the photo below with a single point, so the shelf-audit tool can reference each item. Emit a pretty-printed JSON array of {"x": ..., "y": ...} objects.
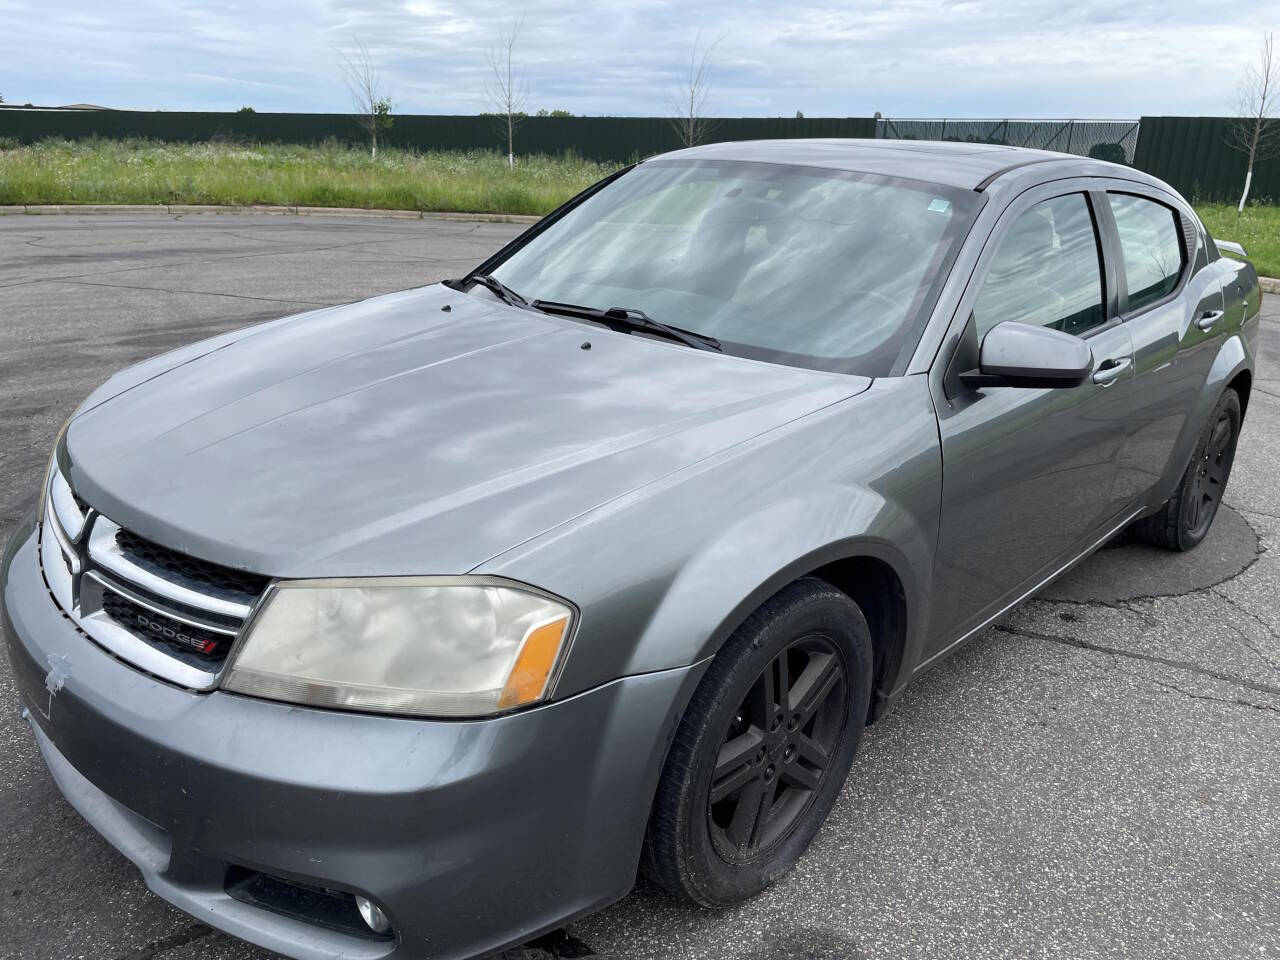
[{"x": 373, "y": 916}]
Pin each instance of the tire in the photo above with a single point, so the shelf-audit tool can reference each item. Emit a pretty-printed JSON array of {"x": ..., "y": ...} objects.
[
  {"x": 789, "y": 759},
  {"x": 1186, "y": 519}
]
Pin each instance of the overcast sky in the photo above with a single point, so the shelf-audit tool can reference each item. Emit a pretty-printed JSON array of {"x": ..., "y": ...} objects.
[{"x": 981, "y": 58}]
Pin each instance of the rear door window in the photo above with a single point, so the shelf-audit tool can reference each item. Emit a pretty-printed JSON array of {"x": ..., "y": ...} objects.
[{"x": 1150, "y": 247}]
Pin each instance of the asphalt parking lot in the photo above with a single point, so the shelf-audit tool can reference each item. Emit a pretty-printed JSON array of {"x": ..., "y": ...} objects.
[{"x": 1096, "y": 776}]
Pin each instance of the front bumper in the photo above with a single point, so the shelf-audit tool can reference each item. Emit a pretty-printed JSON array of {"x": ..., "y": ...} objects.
[{"x": 471, "y": 835}]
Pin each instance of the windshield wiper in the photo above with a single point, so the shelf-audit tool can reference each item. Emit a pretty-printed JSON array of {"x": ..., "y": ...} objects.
[
  {"x": 627, "y": 318},
  {"x": 499, "y": 290}
]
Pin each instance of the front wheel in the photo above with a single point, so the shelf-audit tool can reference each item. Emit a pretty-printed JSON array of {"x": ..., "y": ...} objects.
[
  {"x": 763, "y": 749},
  {"x": 1185, "y": 520}
]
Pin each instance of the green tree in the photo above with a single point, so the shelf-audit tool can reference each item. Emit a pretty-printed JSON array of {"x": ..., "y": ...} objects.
[{"x": 1111, "y": 152}]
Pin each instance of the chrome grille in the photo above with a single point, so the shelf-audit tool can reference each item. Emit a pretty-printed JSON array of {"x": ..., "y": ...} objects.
[
  {"x": 70, "y": 512},
  {"x": 234, "y": 585},
  {"x": 170, "y": 614},
  {"x": 163, "y": 629}
]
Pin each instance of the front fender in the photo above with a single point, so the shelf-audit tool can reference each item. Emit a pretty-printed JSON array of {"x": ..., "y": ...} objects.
[
  {"x": 664, "y": 574},
  {"x": 717, "y": 589}
]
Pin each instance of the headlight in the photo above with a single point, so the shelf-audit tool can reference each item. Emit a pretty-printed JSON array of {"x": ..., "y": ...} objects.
[
  {"x": 49, "y": 469},
  {"x": 433, "y": 646}
]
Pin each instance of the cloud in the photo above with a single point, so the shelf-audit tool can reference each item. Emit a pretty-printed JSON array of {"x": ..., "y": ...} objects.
[{"x": 992, "y": 58}]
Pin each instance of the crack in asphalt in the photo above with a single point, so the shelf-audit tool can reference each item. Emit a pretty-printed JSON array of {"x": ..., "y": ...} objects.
[
  {"x": 1127, "y": 605},
  {"x": 1257, "y": 513},
  {"x": 198, "y": 293},
  {"x": 1120, "y": 606},
  {"x": 1271, "y": 631},
  {"x": 1234, "y": 702},
  {"x": 155, "y": 948},
  {"x": 1184, "y": 665},
  {"x": 1209, "y": 589}
]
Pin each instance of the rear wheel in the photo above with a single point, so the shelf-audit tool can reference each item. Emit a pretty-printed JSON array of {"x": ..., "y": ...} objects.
[
  {"x": 1185, "y": 520},
  {"x": 763, "y": 748}
]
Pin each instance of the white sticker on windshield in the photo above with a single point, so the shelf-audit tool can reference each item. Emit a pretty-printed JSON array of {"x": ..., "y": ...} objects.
[{"x": 938, "y": 205}]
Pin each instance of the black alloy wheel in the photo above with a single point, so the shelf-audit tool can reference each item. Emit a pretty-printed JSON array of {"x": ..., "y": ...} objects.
[
  {"x": 1186, "y": 518},
  {"x": 763, "y": 748},
  {"x": 777, "y": 748},
  {"x": 1211, "y": 475}
]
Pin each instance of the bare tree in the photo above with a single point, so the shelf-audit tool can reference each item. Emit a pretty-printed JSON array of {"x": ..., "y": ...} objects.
[
  {"x": 1257, "y": 131},
  {"x": 373, "y": 106},
  {"x": 689, "y": 99},
  {"x": 507, "y": 91}
]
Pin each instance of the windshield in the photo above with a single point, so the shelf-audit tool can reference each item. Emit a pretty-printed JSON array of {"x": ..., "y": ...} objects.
[{"x": 801, "y": 265}]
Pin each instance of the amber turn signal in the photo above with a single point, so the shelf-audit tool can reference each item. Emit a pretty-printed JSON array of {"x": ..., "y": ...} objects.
[{"x": 528, "y": 680}]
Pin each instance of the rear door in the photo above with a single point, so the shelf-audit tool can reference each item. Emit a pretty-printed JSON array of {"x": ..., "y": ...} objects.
[
  {"x": 1029, "y": 473},
  {"x": 1170, "y": 296}
]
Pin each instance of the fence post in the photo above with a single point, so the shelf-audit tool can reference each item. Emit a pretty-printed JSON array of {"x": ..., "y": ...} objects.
[{"x": 1129, "y": 157}]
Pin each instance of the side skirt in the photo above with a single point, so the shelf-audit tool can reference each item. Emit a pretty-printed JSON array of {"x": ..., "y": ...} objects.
[{"x": 1087, "y": 552}]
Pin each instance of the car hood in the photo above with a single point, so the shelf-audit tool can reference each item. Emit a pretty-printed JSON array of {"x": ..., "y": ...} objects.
[{"x": 417, "y": 433}]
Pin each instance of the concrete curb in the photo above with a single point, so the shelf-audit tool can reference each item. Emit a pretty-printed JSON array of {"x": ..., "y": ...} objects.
[
  {"x": 190, "y": 209},
  {"x": 1269, "y": 284}
]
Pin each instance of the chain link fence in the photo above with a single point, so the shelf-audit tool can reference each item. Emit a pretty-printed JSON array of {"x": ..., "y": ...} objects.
[{"x": 1114, "y": 140}]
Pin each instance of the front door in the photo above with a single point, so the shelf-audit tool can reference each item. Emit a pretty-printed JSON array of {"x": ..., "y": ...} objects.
[{"x": 1029, "y": 473}]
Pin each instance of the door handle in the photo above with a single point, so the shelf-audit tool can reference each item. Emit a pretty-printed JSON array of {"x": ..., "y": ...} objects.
[
  {"x": 1207, "y": 320},
  {"x": 1110, "y": 370}
]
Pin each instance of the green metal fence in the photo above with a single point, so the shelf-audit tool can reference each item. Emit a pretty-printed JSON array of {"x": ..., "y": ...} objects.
[
  {"x": 616, "y": 139},
  {"x": 1193, "y": 155}
]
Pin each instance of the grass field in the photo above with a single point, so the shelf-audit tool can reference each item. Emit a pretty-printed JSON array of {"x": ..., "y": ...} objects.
[
  {"x": 141, "y": 171},
  {"x": 1257, "y": 229}
]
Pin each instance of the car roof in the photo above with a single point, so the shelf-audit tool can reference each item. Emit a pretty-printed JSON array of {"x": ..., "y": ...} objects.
[{"x": 967, "y": 165}]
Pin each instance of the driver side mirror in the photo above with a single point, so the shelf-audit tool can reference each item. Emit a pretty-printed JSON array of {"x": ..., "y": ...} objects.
[{"x": 1022, "y": 355}]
